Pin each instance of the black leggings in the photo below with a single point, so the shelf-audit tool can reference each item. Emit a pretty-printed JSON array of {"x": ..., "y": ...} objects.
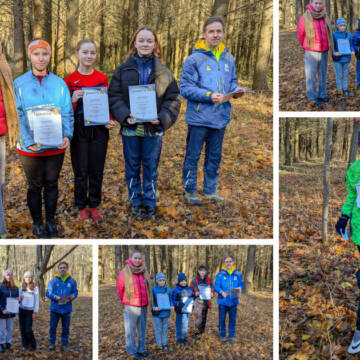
[
  {"x": 25, "y": 321},
  {"x": 42, "y": 172}
]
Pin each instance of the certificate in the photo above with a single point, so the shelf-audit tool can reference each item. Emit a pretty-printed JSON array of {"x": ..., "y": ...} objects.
[
  {"x": 28, "y": 300},
  {"x": 143, "y": 102},
  {"x": 47, "y": 126},
  {"x": 96, "y": 106},
  {"x": 205, "y": 292},
  {"x": 64, "y": 300},
  {"x": 344, "y": 46},
  {"x": 234, "y": 293},
  {"x": 163, "y": 301},
  {"x": 188, "y": 304},
  {"x": 12, "y": 305}
]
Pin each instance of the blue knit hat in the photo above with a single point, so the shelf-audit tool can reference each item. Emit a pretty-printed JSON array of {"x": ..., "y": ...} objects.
[
  {"x": 340, "y": 21},
  {"x": 160, "y": 276},
  {"x": 181, "y": 277}
]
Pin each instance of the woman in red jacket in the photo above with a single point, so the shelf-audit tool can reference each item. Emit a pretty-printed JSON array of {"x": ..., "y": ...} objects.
[
  {"x": 315, "y": 36},
  {"x": 8, "y": 124},
  {"x": 134, "y": 290}
]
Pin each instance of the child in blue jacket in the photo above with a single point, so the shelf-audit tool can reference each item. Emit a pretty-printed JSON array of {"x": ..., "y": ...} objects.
[
  {"x": 183, "y": 298},
  {"x": 342, "y": 62},
  {"x": 356, "y": 45},
  {"x": 161, "y": 317}
]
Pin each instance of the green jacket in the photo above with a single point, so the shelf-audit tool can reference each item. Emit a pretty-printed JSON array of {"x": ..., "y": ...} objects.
[{"x": 351, "y": 208}]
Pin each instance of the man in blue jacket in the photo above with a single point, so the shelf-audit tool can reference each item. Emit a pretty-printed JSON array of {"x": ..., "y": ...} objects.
[
  {"x": 228, "y": 285},
  {"x": 356, "y": 45},
  {"x": 62, "y": 290},
  {"x": 208, "y": 75}
]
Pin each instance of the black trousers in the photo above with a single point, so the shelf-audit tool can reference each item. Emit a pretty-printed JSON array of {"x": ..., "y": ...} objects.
[
  {"x": 42, "y": 172},
  {"x": 25, "y": 321},
  {"x": 201, "y": 311},
  {"x": 88, "y": 153}
]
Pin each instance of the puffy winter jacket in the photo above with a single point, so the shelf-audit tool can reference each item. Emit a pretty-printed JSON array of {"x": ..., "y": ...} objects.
[
  {"x": 57, "y": 287},
  {"x": 321, "y": 41},
  {"x": 167, "y": 94},
  {"x": 342, "y": 35},
  {"x": 351, "y": 207},
  {"x": 3, "y": 125},
  {"x": 52, "y": 90},
  {"x": 161, "y": 290},
  {"x": 226, "y": 281},
  {"x": 355, "y": 40},
  {"x": 178, "y": 293},
  {"x": 140, "y": 294},
  {"x": 194, "y": 285},
  {"x": 5, "y": 293},
  {"x": 202, "y": 76}
]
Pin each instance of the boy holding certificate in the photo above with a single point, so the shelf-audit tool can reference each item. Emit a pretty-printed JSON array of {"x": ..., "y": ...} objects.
[
  {"x": 343, "y": 49},
  {"x": 183, "y": 300},
  {"x": 91, "y": 130},
  {"x": 142, "y": 140},
  {"x": 204, "y": 291},
  {"x": 46, "y": 127},
  {"x": 29, "y": 307},
  {"x": 9, "y": 307},
  {"x": 162, "y": 306}
]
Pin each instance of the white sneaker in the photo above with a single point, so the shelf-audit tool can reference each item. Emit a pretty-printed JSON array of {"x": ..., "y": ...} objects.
[{"x": 354, "y": 347}]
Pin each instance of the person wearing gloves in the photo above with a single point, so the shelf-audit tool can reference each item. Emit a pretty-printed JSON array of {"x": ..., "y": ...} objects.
[
  {"x": 202, "y": 306},
  {"x": 208, "y": 75},
  {"x": 42, "y": 166},
  {"x": 29, "y": 307},
  {"x": 134, "y": 291},
  {"x": 228, "y": 286},
  {"x": 161, "y": 317},
  {"x": 351, "y": 210},
  {"x": 8, "y": 125},
  {"x": 182, "y": 297},
  {"x": 315, "y": 37},
  {"x": 62, "y": 290},
  {"x": 7, "y": 289}
]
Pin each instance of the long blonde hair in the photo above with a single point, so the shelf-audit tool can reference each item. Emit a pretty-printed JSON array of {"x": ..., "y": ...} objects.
[{"x": 157, "y": 48}]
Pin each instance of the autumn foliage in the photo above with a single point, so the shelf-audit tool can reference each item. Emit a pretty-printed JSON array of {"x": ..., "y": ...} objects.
[
  {"x": 245, "y": 181},
  {"x": 253, "y": 330}
]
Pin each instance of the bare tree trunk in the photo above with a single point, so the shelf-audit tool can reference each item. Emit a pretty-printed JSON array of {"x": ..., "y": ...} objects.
[
  {"x": 354, "y": 141},
  {"x": 117, "y": 260},
  {"x": 220, "y": 8},
  {"x": 38, "y": 18},
  {"x": 329, "y": 128},
  {"x": 249, "y": 273},
  {"x": 19, "y": 44},
  {"x": 299, "y": 10},
  {"x": 287, "y": 142}
]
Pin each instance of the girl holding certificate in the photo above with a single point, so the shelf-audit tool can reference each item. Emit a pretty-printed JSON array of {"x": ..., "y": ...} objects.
[
  {"x": 29, "y": 307},
  {"x": 89, "y": 144},
  {"x": 46, "y": 117},
  {"x": 8, "y": 125},
  {"x": 142, "y": 141},
  {"x": 8, "y": 294}
]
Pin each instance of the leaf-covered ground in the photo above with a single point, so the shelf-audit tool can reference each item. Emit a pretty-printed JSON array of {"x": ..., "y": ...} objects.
[
  {"x": 292, "y": 89},
  {"x": 245, "y": 181},
  {"x": 253, "y": 329},
  {"x": 80, "y": 340},
  {"x": 318, "y": 287}
]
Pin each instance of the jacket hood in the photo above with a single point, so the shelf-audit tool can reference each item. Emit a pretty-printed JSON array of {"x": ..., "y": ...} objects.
[
  {"x": 229, "y": 271},
  {"x": 200, "y": 46},
  {"x": 67, "y": 275}
]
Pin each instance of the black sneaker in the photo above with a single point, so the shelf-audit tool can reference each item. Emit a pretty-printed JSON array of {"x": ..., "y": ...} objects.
[
  {"x": 196, "y": 337},
  {"x": 150, "y": 212},
  {"x": 179, "y": 342},
  {"x": 51, "y": 347},
  {"x": 51, "y": 229},
  {"x": 185, "y": 342},
  {"x": 25, "y": 348},
  {"x": 324, "y": 99},
  {"x": 63, "y": 348},
  {"x": 358, "y": 87},
  {"x": 317, "y": 102},
  {"x": 33, "y": 348},
  {"x": 8, "y": 345},
  {"x": 136, "y": 213},
  {"x": 2, "y": 348},
  {"x": 39, "y": 231}
]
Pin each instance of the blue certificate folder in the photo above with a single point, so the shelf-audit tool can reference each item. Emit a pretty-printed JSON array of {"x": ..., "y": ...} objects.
[
  {"x": 163, "y": 301},
  {"x": 96, "y": 106},
  {"x": 143, "y": 103},
  {"x": 344, "y": 46}
]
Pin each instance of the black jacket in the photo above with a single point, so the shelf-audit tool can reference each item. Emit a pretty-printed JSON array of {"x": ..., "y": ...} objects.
[{"x": 167, "y": 94}]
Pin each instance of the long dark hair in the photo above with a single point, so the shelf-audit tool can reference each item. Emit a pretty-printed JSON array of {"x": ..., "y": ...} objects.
[{"x": 9, "y": 284}]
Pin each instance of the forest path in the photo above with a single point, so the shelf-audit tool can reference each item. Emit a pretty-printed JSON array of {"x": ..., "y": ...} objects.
[
  {"x": 245, "y": 181},
  {"x": 80, "y": 340},
  {"x": 292, "y": 88},
  {"x": 318, "y": 287},
  {"x": 253, "y": 330}
]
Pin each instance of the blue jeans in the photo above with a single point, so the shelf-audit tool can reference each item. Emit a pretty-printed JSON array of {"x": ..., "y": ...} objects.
[
  {"x": 213, "y": 139},
  {"x": 135, "y": 324},
  {"x": 342, "y": 73},
  {"x": 181, "y": 323},
  {"x": 65, "y": 322},
  {"x": 223, "y": 310},
  {"x": 146, "y": 151},
  {"x": 161, "y": 328},
  {"x": 315, "y": 70},
  {"x": 2, "y": 184}
]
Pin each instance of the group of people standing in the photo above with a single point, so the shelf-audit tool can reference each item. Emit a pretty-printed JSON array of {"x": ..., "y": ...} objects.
[
  {"x": 137, "y": 296},
  {"x": 62, "y": 290},
  {"x": 208, "y": 75},
  {"x": 315, "y": 35}
]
